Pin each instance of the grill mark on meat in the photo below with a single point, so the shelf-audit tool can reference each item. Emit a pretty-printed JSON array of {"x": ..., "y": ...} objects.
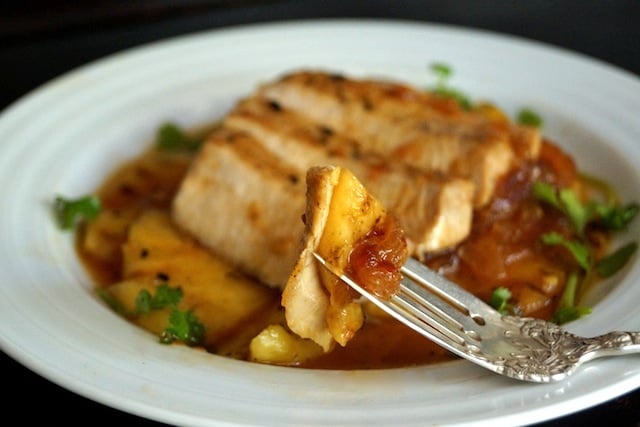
[
  {"x": 407, "y": 125},
  {"x": 419, "y": 199}
]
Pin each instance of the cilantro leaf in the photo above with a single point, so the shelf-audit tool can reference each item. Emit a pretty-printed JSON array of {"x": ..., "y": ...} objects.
[
  {"x": 183, "y": 326},
  {"x": 568, "y": 314},
  {"x": 165, "y": 296},
  {"x": 143, "y": 301},
  {"x": 529, "y": 117},
  {"x": 500, "y": 299},
  {"x": 610, "y": 264},
  {"x": 566, "y": 201},
  {"x": 574, "y": 209},
  {"x": 567, "y": 309},
  {"x": 547, "y": 193},
  {"x": 170, "y": 137},
  {"x": 69, "y": 212},
  {"x": 579, "y": 250},
  {"x": 447, "y": 92},
  {"x": 443, "y": 72},
  {"x": 606, "y": 214},
  {"x": 615, "y": 218}
]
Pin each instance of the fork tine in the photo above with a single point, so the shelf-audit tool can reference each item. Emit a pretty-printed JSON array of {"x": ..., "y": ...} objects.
[
  {"x": 422, "y": 311},
  {"x": 418, "y": 299},
  {"x": 464, "y": 301},
  {"x": 423, "y": 324},
  {"x": 406, "y": 312}
]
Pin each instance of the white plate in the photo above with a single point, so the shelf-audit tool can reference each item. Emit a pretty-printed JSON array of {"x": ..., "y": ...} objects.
[{"x": 64, "y": 138}]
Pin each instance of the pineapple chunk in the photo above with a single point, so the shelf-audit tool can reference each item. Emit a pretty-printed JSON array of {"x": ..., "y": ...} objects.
[
  {"x": 340, "y": 211},
  {"x": 276, "y": 345},
  {"x": 223, "y": 300},
  {"x": 125, "y": 293}
]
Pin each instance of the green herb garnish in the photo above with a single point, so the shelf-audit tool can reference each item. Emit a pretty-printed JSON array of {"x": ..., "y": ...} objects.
[
  {"x": 568, "y": 314},
  {"x": 578, "y": 249},
  {"x": 443, "y": 72},
  {"x": 567, "y": 309},
  {"x": 529, "y": 117},
  {"x": 566, "y": 201},
  {"x": 170, "y": 137},
  {"x": 70, "y": 212},
  {"x": 165, "y": 296},
  {"x": 615, "y": 218},
  {"x": 500, "y": 300},
  {"x": 606, "y": 214},
  {"x": 609, "y": 265},
  {"x": 184, "y": 325}
]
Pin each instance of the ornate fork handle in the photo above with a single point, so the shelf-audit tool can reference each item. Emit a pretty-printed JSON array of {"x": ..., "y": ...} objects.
[
  {"x": 576, "y": 347},
  {"x": 612, "y": 343},
  {"x": 545, "y": 350}
]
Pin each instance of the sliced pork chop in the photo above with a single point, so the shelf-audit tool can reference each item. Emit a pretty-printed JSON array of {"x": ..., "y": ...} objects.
[
  {"x": 407, "y": 125},
  {"x": 244, "y": 194},
  {"x": 245, "y": 204},
  {"x": 435, "y": 211}
]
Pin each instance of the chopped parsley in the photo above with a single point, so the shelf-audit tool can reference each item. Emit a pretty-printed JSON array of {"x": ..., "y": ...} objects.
[
  {"x": 165, "y": 296},
  {"x": 607, "y": 215},
  {"x": 184, "y": 325},
  {"x": 171, "y": 137},
  {"x": 443, "y": 72},
  {"x": 578, "y": 249},
  {"x": 609, "y": 265},
  {"x": 70, "y": 212},
  {"x": 567, "y": 309},
  {"x": 615, "y": 218},
  {"x": 568, "y": 314},
  {"x": 500, "y": 300},
  {"x": 528, "y": 117}
]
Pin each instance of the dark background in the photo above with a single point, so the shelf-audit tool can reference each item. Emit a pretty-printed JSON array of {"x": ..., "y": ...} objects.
[{"x": 40, "y": 40}]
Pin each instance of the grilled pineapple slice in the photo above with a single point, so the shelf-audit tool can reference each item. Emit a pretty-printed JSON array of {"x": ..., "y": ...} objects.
[{"x": 339, "y": 213}]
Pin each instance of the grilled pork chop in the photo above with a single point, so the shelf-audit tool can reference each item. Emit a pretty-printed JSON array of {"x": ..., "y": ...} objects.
[
  {"x": 408, "y": 125},
  {"x": 245, "y": 192},
  {"x": 245, "y": 204},
  {"x": 435, "y": 210}
]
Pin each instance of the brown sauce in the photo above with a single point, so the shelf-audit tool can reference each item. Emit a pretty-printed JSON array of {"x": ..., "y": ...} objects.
[
  {"x": 504, "y": 249},
  {"x": 382, "y": 343}
]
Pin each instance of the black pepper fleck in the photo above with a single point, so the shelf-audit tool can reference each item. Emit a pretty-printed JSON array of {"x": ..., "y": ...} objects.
[{"x": 275, "y": 106}]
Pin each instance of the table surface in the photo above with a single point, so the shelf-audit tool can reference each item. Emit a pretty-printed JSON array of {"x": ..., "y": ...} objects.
[{"x": 44, "y": 39}]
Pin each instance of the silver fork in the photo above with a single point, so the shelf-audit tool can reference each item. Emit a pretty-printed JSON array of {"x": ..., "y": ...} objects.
[{"x": 523, "y": 348}]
